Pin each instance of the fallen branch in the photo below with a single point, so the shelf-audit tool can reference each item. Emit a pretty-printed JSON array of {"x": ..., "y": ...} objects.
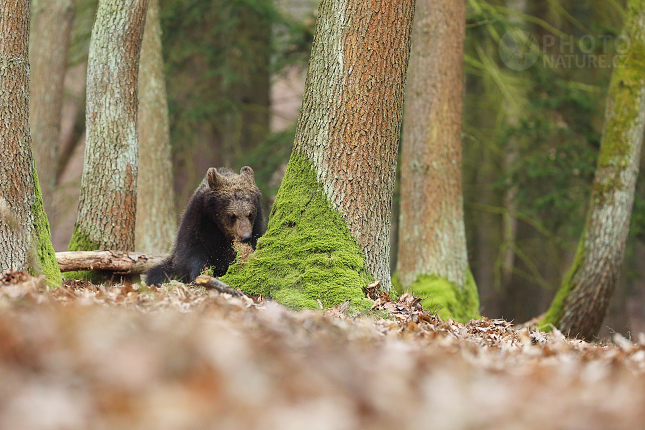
[
  {"x": 112, "y": 261},
  {"x": 215, "y": 284}
]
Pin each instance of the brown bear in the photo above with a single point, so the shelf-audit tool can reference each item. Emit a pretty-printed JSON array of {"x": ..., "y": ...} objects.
[{"x": 224, "y": 209}]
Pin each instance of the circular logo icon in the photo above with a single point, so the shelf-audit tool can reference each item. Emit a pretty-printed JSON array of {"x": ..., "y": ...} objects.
[{"x": 518, "y": 49}]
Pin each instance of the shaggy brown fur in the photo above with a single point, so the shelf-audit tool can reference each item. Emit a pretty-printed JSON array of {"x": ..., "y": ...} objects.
[{"x": 225, "y": 209}]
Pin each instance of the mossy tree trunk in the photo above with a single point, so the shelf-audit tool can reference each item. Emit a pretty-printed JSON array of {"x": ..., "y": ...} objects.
[
  {"x": 581, "y": 303},
  {"x": 51, "y": 26},
  {"x": 433, "y": 261},
  {"x": 107, "y": 204},
  {"x": 24, "y": 229},
  {"x": 156, "y": 219},
  {"x": 328, "y": 234}
]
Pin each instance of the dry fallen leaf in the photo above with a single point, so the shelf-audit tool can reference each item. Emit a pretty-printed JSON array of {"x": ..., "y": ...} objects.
[{"x": 179, "y": 357}]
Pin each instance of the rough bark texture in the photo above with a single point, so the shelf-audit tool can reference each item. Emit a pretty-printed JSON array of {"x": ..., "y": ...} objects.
[
  {"x": 581, "y": 303},
  {"x": 114, "y": 261},
  {"x": 107, "y": 205},
  {"x": 24, "y": 230},
  {"x": 49, "y": 43},
  {"x": 357, "y": 73},
  {"x": 331, "y": 217},
  {"x": 432, "y": 238},
  {"x": 156, "y": 219}
]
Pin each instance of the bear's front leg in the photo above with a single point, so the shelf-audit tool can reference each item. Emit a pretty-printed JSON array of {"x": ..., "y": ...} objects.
[{"x": 195, "y": 267}]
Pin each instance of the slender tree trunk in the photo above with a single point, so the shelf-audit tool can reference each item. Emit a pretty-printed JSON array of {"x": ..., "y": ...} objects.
[
  {"x": 49, "y": 44},
  {"x": 24, "y": 230},
  {"x": 248, "y": 87},
  {"x": 488, "y": 234},
  {"x": 107, "y": 205},
  {"x": 432, "y": 240},
  {"x": 329, "y": 230},
  {"x": 156, "y": 219},
  {"x": 509, "y": 218},
  {"x": 581, "y": 303},
  {"x": 511, "y": 155}
]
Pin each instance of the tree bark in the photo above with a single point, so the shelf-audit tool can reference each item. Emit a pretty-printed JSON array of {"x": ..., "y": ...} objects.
[
  {"x": 432, "y": 237},
  {"x": 24, "y": 230},
  {"x": 156, "y": 219},
  {"x": 581, "y": 303},
  {"x": 114, "y": 261},
  {"x": 329, "y": 230},
  {"x": 49, "y": 44},
  {"x": 107, "y": 204}
]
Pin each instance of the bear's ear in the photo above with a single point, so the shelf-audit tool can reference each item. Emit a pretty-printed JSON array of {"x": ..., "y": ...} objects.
[
  {"x": 248, "y": 173},
  {"x": 215, "y": 180}
]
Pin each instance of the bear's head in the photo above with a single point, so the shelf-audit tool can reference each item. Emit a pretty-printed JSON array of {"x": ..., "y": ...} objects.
[{"x": 233, "y": 202}]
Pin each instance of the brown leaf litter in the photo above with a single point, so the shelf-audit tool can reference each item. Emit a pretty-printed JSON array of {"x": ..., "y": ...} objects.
[{"x": 181, "y": 357}]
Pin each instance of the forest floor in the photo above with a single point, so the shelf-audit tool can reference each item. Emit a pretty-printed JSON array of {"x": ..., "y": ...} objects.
[{"x": 178, "y": 357}]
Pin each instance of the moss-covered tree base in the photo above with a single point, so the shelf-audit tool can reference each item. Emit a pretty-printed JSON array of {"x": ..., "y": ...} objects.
[
  {"x": 553, "y": 315},
  {"x": 307, "y": 255},
  {"x": 44, "y": 248},
  {"x": 443, "y": 297},
  {"x": 82, "y": 242}
]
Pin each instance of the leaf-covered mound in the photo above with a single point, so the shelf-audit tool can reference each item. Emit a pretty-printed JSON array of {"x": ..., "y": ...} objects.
[{"x": 180, "y": 357}]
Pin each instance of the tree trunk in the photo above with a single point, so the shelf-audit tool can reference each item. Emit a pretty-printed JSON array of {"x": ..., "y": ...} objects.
[
  {"x": 49, "y": 44},
  {"x": 107, "y": 204},
  {"x": 581, "y": 303},
  {"x": 156, "y": 219},
  {"x": 24, "y": 229},
  {"x": 329, "y": 229},
  {"x": 433, "y": 260}
]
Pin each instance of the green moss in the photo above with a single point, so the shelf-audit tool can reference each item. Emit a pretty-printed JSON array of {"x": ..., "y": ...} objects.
[
  {"x": 81, "y": 242},
  {"x": 626, "y": 84},
  {"x": 397, "y": 286},
  {"x": 553, "y": 315},
  {"x": 44, "y": 249},
  {"x": 446, "y": 298},
  {"x": 307, "y": 255}
]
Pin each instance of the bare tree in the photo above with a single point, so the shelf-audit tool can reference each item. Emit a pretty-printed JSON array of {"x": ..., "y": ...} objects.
[
  {"x": 433, "y": 260},
  {"x": 582, "y": 301},
  {"x": 49, "y": 44},
  {"x": 24, "y": 230},
  {"x": 107, "y": 205},
  {"x": 329, "y": 229},
  {"x": 156, "y": 219}
]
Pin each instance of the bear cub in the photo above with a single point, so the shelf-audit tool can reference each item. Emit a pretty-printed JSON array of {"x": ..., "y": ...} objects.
[{"x": 225, "y": 209}]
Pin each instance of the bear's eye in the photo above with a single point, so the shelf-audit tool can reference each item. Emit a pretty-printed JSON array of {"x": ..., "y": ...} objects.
[{"x": 232, "y": 217}]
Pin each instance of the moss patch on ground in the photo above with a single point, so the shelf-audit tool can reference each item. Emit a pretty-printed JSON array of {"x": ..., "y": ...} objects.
[
  {"x": 307, "y": 257},
  {"x": 446, "y": 299},
  {"x": 44, "y": 248}
]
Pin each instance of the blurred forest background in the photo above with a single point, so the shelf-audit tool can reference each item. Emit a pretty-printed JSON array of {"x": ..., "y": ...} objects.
[{"x": 235, "y": 76}]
